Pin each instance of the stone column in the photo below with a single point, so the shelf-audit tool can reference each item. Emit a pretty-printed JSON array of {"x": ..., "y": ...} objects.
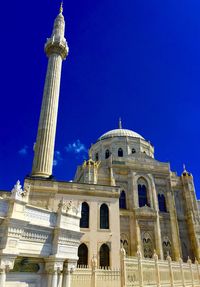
[
  {"x": 155, "y": 256},
  {"x": 57, "y": 50},
  {"x": 67, "y": 271},
  {"x": 182, "y": 272},
  {"x": 170, "y": 271},
  {"x": 60, "y": 277},
  {"x": 54, "y": 282},
  {"x": 53, "y": 268},
  {"x": 6, "y": 264},
  {"x": 94, "y": 273},
  {"x": 122, "y": 267},
  {"x": 49, "y": 278},
  {"x": 2, "y": 277},
  {"x": 140, "y": 268}
]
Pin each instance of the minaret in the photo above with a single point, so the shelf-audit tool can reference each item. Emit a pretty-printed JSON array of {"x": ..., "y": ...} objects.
[{"x": 56, "y": 50}]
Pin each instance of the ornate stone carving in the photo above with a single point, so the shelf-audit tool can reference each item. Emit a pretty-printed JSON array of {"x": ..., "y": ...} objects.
[
  {"x": 26, "y": 265},
  {"x": 17, "y": 192},
  {"x": 70, "y": 207},
  {"x": 36, "y": 236},
  {"x": 147, "y": 245},
  {"x": 15, "y": 231}
]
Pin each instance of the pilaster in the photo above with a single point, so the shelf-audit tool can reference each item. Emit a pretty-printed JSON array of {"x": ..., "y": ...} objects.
[
  {"x": 157, "y": 223},
  {"x": 174, "y": 226}
]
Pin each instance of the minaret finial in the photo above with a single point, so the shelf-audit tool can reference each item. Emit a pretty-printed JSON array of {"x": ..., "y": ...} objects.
[
  {"x": 120, "y": 123},
  {"x": 61, "y": 7},
  {"x": 184, "y": 167}
]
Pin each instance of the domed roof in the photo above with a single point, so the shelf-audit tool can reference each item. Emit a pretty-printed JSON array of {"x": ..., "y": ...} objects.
[{"x": 120, "y": 133}]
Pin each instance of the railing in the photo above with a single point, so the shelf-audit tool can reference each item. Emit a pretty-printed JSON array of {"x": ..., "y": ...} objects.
[
  {"x": 159, "y": 273},
  {"x": 139, "y": 272},
  {"x": 95, "y": 277}
]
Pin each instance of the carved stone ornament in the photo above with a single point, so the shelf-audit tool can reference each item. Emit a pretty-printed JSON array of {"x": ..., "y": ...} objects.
[
  {"x": 139, "y": 253},
  {"x": 7, "y": 263},
  {"x": 17, "y": 192},
  {"x": 94, "y": 262},
  {"x": 69, "y": 207}
]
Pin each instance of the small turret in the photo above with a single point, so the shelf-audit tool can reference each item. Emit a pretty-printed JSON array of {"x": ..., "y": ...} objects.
[{"x": 185, "y": 172}]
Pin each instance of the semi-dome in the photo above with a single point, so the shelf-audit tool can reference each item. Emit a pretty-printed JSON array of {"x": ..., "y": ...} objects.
[{"x": 120, "y": 133}]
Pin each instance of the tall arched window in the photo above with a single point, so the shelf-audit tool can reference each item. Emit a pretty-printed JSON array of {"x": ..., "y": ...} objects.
[
  {"x": 162, "y": 203},
  {"x": 120, "y": 152},
  {"x": 122, "y": 200},
  {"x": 84, "y": 222},
  {"x": 104, "y": 216},
  {"x": 133, "y": 150},
  {"x": 107, "y": 153},
  {"x": 96, "y": 156},
  {"x": 104, "y": 256},
  {"x": 83, "y": 255},
  {"x": 142, "y": 194}
]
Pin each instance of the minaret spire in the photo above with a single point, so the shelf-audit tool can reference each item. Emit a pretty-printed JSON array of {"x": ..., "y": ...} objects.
[
  {"x": 61, "y": 7},
  {"x": 120, "y": 123},
  {"x": 56, "y": 50}
]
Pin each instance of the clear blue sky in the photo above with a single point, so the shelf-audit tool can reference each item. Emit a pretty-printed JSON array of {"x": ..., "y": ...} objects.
[{"x": 136, "y": 59}]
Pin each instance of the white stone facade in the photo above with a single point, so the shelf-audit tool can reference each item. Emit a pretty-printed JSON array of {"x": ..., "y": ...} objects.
[{"x": 36, "y": 243}]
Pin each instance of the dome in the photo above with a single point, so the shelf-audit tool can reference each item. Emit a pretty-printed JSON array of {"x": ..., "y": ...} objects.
[{"x": 120, "y": 133}]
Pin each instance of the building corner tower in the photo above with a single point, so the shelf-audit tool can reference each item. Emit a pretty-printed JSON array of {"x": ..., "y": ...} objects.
[{"x": 56, "y": 50}]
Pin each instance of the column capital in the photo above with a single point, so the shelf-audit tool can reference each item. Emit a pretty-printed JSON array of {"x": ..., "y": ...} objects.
[
  {"x": 6, "y": 263},
  {"x": 69, "y": 266},
  {"x": 53, "y": 266}
]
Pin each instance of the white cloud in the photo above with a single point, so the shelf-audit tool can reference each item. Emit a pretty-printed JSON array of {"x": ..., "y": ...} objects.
[
  {"x": 57, "y": 158},
  {"x": 76, "y": 147},
  {"x": 23, "y": 151}
]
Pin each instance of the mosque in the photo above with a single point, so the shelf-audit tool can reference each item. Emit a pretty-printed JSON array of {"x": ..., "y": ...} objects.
[{"x": 120, "y": 196}]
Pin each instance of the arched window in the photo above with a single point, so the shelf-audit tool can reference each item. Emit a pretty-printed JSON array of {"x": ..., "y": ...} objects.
[
  {"x": 107, "y": 153},
  {"x": 142, "y": 194},
  {"x": 124, "y": 243},
  {"x": 104, "y": 256},
  {"x": 185, "y": 252},
  {"x": 133, "y": 150},
  {"x": 120, "y": 152},
  {"x": 96, "y": 156},
  {"x": 83, "y": 255},
  {"x": 147, "y": 246},
  {"x": 122, "y": 200},
  {"x": 104, "y": 216},
  {"x": 162, "y": 203},
  {"x": 166, "y": 248},
  {"x": 84, "y": 222}
]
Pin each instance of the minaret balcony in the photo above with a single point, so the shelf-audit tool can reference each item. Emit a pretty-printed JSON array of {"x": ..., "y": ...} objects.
[{"x": 57, "y": 46}]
